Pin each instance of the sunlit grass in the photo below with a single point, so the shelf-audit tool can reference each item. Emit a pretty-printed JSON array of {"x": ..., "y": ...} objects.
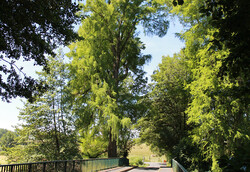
[
  {"x": 3, "y": 160},
  {"x": 143, "y": 151}
]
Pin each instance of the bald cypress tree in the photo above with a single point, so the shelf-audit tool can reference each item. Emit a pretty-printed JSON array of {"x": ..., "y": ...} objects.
[{"x": 108, "y": 56}]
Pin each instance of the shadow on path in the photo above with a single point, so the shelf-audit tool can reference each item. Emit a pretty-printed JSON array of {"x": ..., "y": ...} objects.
[{"x": 147, "y": 168}]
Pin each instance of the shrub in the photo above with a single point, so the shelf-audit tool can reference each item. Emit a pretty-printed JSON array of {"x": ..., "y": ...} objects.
[{"x": 136, "y": 161}]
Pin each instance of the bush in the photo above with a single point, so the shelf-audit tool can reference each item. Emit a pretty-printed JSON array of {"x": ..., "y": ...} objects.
[{"x": 136, "y": 161}]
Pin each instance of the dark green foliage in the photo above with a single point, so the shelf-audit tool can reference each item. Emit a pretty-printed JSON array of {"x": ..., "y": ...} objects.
[
  {"x": 231, "y": 18},
  {"x": 8, "y": 140},
  {"x": 190, "y": 156},
  {"x": 28, "y": 31},
  {"x": 178, "y": 2},
  {"x": 2, "y": 132},
  {"x": 125, "y": 142},
  {"x": 239, "y": 162}
]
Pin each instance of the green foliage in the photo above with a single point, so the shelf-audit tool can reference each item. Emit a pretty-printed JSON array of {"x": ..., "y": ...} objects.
[
  {"x": 168, "y": 100},
  {"x": 31, "y": 30},
  {"x": 48, "y": 131},
  {"x": 93, "y": 143},
  {"x": 106, "y": 69},
  {"x": 239, "y": 162},
  {"x": 136, "y": 161},
  {"x": 217, "y": 59},
  {"x": 8, "y": 140},
  {"x": 2, "y": 132},
  {"x": 125, "y": 142},
  {"x": 23, "y": 153},
  {"x": 216, "y": 99}
]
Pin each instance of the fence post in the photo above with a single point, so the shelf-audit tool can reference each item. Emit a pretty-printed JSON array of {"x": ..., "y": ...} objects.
[
  {"x": 73, "y": 166},
  {"x": 65, "y": 166},
  {"x": 44, "y": 167},
  {"x": 29, "y": 168}
]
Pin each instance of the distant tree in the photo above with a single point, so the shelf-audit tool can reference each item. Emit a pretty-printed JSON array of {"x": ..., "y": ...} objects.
[
  {"x": 30, "y": 30},
  {"x": 8, "y": 140},
  {"x": 2, "y": 132}
]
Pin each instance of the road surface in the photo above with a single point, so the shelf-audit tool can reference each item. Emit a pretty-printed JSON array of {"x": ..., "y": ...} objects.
[{"x": 153, "y": 167}]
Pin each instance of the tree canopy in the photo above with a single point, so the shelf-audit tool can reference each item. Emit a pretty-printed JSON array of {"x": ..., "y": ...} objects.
[
  {"x": 196, "y": 110},
  {"x": 107, "y": 65},
  {"x": 30, "y": 30},
  {"x": 47, "y": 131},
  {"x": 217, "y": 56},
  {"x": 168, "y": 100}
]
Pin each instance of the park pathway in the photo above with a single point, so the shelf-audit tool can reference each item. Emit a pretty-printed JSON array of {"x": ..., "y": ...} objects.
[{"x": 152, "y": 167}]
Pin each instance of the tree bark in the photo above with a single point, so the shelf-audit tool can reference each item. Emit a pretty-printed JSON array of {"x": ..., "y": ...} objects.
[
  {"x": 55, "y": 130},
  {"x": 112, "y": 147}
]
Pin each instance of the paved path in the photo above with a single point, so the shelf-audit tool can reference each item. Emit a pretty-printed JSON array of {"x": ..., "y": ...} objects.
[
  {"x": 155, "y": 164},
  {"x": 153, "y": 167},
  {"x": 118, "y": 169},
  {"x": 146, "y": 169}
]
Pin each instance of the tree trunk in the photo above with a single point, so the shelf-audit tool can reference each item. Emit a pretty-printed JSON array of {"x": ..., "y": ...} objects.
[
  {"x": 55, "y": 131},
  {"x": 112, "y": 147}
]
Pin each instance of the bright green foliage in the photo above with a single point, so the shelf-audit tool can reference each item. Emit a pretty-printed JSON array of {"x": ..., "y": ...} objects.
[
  {"x": 47, "y": 131},
  {"x": 220, "y": 101},
  {"x": 110, "y": 54},
  {"x": 93, "y": 143}
]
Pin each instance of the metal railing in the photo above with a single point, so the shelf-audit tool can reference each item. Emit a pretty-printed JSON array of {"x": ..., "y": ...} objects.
[
  {"x": 177, "y": 167},
  {"x": 88, "y": 165}
]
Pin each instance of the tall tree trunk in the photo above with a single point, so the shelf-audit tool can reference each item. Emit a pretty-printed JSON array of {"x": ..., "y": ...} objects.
[
  {"x": 55, "y": 130},
  {"x": 112, "y": 147}
]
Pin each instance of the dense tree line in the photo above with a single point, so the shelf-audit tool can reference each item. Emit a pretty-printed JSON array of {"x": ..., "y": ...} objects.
[{"x": 217, "y": 104}]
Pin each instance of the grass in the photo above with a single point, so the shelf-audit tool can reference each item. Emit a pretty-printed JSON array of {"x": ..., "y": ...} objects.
[
  {"x": 143, "y": 151},
  {"x": 137, "y": 153},
  {"x": 3, "y": 160}
]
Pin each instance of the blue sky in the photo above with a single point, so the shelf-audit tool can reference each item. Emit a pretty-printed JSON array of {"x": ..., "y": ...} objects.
[{"x": 155, "y": 46}]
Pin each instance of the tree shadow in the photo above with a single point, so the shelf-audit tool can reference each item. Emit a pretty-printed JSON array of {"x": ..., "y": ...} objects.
[{"x": 147, "y": 168}]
